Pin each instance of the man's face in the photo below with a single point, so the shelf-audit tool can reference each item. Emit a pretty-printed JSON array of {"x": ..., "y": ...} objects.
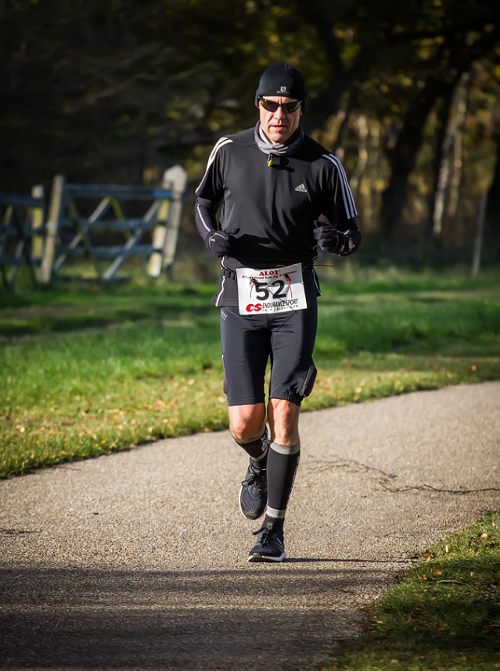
[{"x": 279, "y": 126}]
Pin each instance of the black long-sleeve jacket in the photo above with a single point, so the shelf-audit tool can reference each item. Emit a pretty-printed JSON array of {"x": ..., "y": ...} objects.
[{"x": 274, "y": 203}]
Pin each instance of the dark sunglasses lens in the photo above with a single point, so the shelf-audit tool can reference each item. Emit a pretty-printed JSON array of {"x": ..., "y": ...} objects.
[
  {"x": 268, "y": 105},
  {"x": 288, "y": 108}
]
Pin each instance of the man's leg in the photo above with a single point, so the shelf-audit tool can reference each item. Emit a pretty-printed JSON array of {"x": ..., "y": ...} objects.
[
  {"x": 245, "y": 348},
  {"x": 292, "y": 379},
  {"x": 247, "y": 426},
  {"x": 282, "y": 463}
]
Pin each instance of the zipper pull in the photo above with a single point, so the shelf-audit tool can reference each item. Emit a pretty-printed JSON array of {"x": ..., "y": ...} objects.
[{"x": 269, "y": 160}]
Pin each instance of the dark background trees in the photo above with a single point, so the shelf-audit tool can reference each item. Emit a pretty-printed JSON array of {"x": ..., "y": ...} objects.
[{"x": 406, "y": 93}]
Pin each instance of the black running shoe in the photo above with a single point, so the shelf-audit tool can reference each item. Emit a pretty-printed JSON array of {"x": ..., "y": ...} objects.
[
  {"x": 269, "y": 546},
  {"x": 253, "y": 492}
]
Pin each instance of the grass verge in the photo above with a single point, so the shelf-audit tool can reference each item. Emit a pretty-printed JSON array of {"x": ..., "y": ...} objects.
[
  {"x": 85, "y": 371},
  {"x": 443, "y": 615}
]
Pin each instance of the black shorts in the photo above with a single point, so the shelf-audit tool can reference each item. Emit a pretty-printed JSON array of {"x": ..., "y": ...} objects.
[{"x": 285, "y": 339}]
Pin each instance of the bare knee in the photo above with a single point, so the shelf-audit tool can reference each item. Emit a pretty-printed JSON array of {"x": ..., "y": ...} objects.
[
  {"x": 246, "y": 422},
  {"x": 284, "y": 421}
]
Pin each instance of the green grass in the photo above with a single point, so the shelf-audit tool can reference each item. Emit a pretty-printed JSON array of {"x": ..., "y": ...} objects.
[
  {"x": 444, "y": 614},
  {"x": 85, "y": 371}
]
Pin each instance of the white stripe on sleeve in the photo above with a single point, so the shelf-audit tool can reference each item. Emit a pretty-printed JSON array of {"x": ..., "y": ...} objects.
[
  {"x": 347, "y": 197},
  {"x": 220, "y": 143},
  {"x": 209, "y": 229}
]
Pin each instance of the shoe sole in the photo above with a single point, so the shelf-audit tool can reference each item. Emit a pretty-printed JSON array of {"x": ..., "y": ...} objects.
[
  {"x": 263, "y": 558},
  {"x": 248, "y": 517}
]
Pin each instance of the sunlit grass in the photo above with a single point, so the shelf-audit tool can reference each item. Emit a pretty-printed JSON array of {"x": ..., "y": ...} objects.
[
  {"x": 86, "y": 372},
  {"x": 444, "y": 614}
]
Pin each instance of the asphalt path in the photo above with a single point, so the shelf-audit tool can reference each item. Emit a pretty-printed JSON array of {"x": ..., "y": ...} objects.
[{"x": 138, "y": 560}]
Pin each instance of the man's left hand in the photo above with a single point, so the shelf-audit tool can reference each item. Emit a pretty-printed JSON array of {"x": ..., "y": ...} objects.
[{"x": 329, "y": 239}]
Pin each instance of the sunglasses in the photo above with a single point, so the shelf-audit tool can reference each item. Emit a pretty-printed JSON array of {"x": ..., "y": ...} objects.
[{"x": 288, "y": 108}]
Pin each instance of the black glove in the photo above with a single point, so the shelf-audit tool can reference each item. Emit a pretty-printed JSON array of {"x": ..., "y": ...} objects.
[
  {"x": 220, "y": 242},
  {"x": 329, "y": 239}
]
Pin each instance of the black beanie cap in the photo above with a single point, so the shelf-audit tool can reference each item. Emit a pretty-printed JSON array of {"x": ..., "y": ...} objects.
[{"x": 281, "y": 80}]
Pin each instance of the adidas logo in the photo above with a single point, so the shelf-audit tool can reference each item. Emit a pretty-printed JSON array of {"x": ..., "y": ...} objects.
[{"x": 301, "y": 187}]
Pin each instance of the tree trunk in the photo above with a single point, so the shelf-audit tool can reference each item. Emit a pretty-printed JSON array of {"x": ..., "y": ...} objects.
[
  {"x": 402, "y": 157},
  {"x": 362, "y": 143},
  {"x": 457, "y": 165},
  {"x": 444, "y": 145},
  {"x": 449, "y": 157}
]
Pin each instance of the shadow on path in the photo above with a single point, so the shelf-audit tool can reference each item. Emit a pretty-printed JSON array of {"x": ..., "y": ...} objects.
[{"x": 194, "y": 619}]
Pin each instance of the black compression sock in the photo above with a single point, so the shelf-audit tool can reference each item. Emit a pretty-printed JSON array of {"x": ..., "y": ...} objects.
[{"x": 282, "y": 464}]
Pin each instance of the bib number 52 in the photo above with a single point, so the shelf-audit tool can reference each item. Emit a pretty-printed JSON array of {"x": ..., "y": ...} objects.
[{"x": 264, "y": 291}]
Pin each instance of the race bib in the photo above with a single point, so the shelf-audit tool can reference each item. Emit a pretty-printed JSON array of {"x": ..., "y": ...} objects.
[{"x": 270, "y": 291}]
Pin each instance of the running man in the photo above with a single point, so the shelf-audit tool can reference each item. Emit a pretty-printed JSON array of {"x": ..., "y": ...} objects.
[{"x": 257, "y": 209}]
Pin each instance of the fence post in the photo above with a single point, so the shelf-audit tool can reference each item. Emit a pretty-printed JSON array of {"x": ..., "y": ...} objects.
[
  {"x": 165, "y": 238},
  {"x": 37, "y": 215},
  {"x": 51, "y": 229},
  {"x": 159, "y": 236},
  {"x": 478, "y": 242}
]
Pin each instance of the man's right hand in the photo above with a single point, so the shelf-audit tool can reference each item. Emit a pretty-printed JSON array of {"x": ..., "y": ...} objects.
[{"x": 220, "y": 242}]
